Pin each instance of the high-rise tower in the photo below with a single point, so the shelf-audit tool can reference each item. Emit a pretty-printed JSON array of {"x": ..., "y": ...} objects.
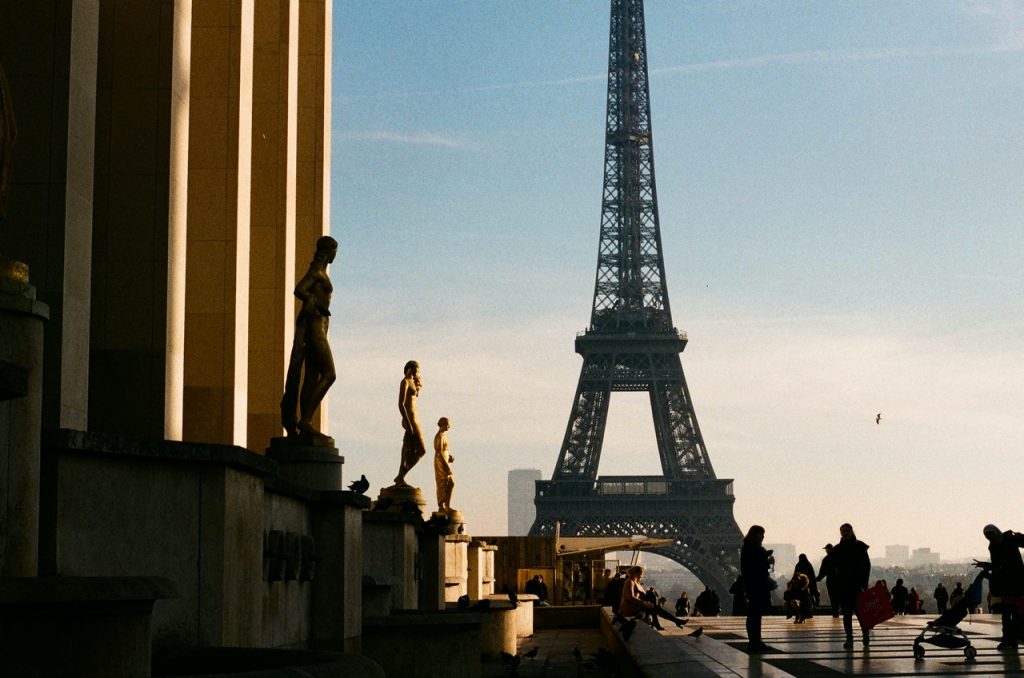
[{"x": 632, "y": 345}]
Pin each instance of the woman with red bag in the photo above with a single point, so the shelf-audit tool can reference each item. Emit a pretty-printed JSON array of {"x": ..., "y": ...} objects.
[{"x": 852, "y": 569}]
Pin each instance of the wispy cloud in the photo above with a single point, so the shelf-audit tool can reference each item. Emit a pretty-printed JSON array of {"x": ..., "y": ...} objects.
[
  {"x": 418, "y": 139},
  {"x": 1010, "y": 38},
  {"x": 1005, "y": 19},
  {"x": 837, "y": 56}
]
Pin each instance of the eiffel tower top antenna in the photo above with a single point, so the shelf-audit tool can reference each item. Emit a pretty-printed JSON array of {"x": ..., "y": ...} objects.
[{"x": 629, "y": 290}]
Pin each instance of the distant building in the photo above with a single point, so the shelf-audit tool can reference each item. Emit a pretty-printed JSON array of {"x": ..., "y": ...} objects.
[
  {"x": 897, "y": 555},
  {"x": 785, "y": 557},
  {"x": 521, "y": 510},
  {"x": 922, "y": 557}
]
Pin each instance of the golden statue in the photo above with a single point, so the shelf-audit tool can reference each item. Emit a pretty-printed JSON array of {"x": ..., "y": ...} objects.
[
  {"x": 311, "y": 357},
  {"x": 413, "y": 447},
  {"x": 443, "y": 466}
]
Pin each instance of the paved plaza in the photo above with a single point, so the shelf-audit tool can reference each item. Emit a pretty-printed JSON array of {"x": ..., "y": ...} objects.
[
  {"x": 815, "y": 648},
  {"x": 809, "y": 650}
]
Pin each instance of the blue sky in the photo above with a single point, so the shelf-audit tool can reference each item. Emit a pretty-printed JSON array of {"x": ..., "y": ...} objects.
[{"x": 841, "y": 190}]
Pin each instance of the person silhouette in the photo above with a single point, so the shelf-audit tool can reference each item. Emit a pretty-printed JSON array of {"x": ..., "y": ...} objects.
[
  {"x": 852, "y": 568},
  {"x": 755, "y": 568}
]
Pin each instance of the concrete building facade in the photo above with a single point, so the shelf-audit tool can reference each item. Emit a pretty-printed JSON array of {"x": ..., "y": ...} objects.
[
  {"x": 521, "y": 510},
  {"x": 170, "y": 178}
]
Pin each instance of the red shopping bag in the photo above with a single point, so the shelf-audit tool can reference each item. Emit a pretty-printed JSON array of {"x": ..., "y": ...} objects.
[{"x": 873, "y": 607}]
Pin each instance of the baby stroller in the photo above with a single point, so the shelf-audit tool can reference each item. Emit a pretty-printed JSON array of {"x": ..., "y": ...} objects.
[{"x": 944, "y": 632}]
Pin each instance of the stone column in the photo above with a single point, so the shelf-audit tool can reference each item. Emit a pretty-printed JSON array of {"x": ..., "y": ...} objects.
[
  {"x": 456, "y": 566},
  {"x": 337, "y": 584},
  {"x": 312, "y": 168},
  {"x": 391, "y": 556},
  {"x": 21, "y": 376},
  {"x": 432, "y": 556},
  {"x": 132, "y": 213},
  {"x": 272, "y": 256},
  {"x": 49, "y": 51},
  {"x": 216, "y": 323}
]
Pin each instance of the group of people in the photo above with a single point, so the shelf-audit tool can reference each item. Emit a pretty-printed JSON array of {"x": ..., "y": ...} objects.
[
  {"x": 846, "y": 569},
  {"x": 631, "y": 603}
]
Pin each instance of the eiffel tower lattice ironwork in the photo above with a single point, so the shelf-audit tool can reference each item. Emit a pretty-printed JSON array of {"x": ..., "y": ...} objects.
[{"x": 632, "y": 345}]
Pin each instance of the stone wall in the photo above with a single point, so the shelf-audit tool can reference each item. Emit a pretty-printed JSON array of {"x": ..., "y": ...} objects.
[{"x": 237, "y": 540}]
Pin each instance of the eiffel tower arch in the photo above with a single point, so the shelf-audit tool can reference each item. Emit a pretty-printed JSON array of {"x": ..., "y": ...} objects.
[{"x": 631, "y": 344}]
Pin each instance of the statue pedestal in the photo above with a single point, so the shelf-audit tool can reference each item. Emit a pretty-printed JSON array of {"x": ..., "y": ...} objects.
[
  {"x": 456, "y": 567},
  {"x": 391, "y": 558},
  {"x": 21, "y": 399},
  {"x": 311, "y": 461},
  {"x": 455, "y": 520},
  {"x": 400, "y": 498}
]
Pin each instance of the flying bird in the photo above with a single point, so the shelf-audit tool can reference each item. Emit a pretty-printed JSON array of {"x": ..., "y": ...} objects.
[
  {"x": 532, "y": 653},
  {"x": 360, "y": 486},
  {"x": 878, "y": 418},
  {"x": 696, "y": 634}
]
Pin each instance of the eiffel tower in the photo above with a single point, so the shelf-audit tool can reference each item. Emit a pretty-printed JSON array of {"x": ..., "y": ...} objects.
[{"x": 632, "y": 345}]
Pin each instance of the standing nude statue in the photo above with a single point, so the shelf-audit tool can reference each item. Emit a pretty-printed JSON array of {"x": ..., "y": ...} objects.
[
  {"x": 443, "y": 467},
  {"x": 413, "y": 447},
  {"x": 311, "y": 353}
]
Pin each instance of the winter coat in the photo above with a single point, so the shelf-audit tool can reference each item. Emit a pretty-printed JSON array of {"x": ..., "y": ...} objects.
[
  {"x": 852, "y": 565},
  {"x": 1007, "y": 577},
  {"x": 756, "y": 578}
]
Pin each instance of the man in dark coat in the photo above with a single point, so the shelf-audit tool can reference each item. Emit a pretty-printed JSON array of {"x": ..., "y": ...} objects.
[
  {"x": 825, "y": 571},
  {"x": 899, "y": 597},
  {"x": 941, "y": 597},
  {"x": 755, "y": 569},
  {"x": 1006, "y": 580},
  {"x": 852, "y": 570}
]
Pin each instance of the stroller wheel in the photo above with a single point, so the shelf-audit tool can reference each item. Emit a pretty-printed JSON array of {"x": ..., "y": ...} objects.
[
  {"x": 918, "y": 652},
  {"x": 970, "y": 652}
]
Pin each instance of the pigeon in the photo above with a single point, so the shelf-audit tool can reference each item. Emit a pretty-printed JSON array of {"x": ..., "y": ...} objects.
[
  {"x": 360, "y": 486},
  {"x": 532, "y": 654},
  {"x": 462, "y": 603},
  {"x": 513, "y": 598},
  {"x": 383, "y": 504},
  {"x": 696, "y": 634},
  {"x": 878, "y": 418},
  {"x": 462, "y": 528},
  {"x": 576, "y": 653}
]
